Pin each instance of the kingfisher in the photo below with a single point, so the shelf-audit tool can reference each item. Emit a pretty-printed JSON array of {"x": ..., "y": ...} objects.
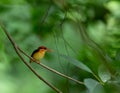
[{"x": 39, "y": 53}]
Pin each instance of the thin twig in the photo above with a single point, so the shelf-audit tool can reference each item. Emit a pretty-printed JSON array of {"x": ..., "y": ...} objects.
[
  {"x": 49, "y": 84},
  {"x": 45, "y": 15},
  {"x": 52, "y": 70},
  {"x": 63, "y": 75},
  {"x": 17, "y": 51}
]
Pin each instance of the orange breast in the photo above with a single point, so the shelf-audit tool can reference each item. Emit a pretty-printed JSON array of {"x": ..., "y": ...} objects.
[{"x": 39, "y": 55}]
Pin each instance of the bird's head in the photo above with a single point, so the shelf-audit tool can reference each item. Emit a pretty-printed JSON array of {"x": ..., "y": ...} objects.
[{"x": 44, "y": 49}]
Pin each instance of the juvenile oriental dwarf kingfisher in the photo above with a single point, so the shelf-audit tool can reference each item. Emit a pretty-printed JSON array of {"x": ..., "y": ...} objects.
[{"x": 39, "y": 53}]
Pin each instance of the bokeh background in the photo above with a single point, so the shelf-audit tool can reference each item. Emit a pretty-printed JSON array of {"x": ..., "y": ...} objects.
[{"x": 84, "y": 30}]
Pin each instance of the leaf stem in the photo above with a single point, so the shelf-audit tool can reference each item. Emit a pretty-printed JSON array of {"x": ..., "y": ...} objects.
[{"x": 101, "y": 82}]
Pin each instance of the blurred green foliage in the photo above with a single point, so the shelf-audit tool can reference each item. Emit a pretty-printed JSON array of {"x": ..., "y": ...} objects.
[{"x": 83, "y": 34}]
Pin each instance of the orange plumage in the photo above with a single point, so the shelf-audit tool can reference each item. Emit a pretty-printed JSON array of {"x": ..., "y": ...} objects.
[{"x": 39, "y": 53}]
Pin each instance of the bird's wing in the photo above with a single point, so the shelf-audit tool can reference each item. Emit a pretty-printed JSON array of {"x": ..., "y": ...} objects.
[
  {"x": 33, "y": 54},
  {"x": 35, "y": 51}
]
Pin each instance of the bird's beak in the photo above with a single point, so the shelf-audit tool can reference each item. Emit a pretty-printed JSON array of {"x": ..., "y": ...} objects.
[{"x": 49, "y": 50}]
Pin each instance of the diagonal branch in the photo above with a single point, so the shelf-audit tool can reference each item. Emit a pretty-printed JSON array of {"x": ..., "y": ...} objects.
[
  {"x": 52, "y": 70},
  {"x": 17, "y": 51}
]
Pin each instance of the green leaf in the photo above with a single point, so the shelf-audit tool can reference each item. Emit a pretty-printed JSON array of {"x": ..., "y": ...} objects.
[
  {"x": 73, "y": 15},
  {"x": 93, "y": 86},
  {"x": 104, "y": 74},
  {"x": 99, "y": 89},
  {"x": 77, "y": 63},
  {"x": 90, "y": 84}
]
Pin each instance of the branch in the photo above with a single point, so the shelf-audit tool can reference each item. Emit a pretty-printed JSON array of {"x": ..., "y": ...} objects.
[
  {"x": 52, "y": 70},
  {"x": 45, "y": 15},
  {"x": 44, "y": 66},
  {"x": 17, "y": 51}
]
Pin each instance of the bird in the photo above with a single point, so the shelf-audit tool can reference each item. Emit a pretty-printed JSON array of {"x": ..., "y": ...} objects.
[{"x": 39, "y": 53}]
